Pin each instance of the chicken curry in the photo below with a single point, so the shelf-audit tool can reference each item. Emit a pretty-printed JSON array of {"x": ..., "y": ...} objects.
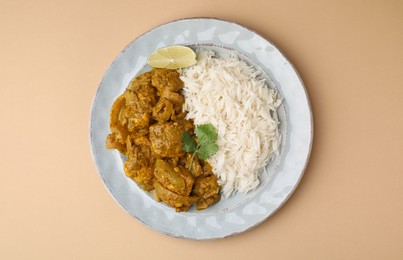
[{"x": 147, "y": 124}]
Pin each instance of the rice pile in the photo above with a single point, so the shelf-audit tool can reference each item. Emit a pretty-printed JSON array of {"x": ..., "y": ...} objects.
[{"x": 235, "y": 99}]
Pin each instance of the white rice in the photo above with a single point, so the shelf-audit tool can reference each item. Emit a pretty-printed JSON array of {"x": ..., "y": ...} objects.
[{"x": 235, "y": 99}]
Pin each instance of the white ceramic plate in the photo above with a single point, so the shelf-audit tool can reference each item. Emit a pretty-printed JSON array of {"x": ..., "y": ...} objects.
[{"x": 243, "y": 211}]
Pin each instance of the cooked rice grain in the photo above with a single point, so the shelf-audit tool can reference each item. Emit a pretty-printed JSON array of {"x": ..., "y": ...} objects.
[{"x": 234, "y": 97}]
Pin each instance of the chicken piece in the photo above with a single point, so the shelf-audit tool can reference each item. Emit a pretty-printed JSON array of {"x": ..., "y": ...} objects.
[
  {"x": 143, "y": 96},
  {"x": 140, "y": 82},
  {"x": 195, "y": 169},
  {"x": 147, "y": 96},
  {"x": 205, "y": 203},
  {"x": 139, "y": 165},
  {"x": 174, "y": 161},
  {"x": 187, "y": 177},
  {"x": 187, "y": 125},
  {"x": 116, "y": 139},
  {"x": 166, "y": 139},
  {"x": 168, "y": 177},
  {"x": 136, "y": 119},
  {"x": 131, "y": 112},
  {"x": 176, "y": 99},
  {"x": 207, "y": 169},
  {"x": 207, "y": 189},
  {"x": 178, "y": 116},
  {"x": 113, "y": 143},
  {"x": 143, "y": 176},
  {"x": 136, "y": 113},
  {"x": 165, "y": 79},
  {"x": 179, "y": 202},
  {"x": 145, "y": 144},
  {"x": 163, "y": 110}
]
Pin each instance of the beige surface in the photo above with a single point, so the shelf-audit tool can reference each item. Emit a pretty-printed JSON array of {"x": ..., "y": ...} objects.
[{"x": 349, "y": 204}]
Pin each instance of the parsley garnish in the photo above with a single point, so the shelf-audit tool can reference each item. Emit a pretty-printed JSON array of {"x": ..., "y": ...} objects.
[{"x": 206, "y": 145}]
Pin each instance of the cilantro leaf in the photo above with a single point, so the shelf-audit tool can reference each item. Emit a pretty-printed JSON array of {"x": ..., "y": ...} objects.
[
  {"x": 189, "y": 144},
  {"x": 206, "y": 150},
  {"x": 206, "y": 133},
  {"x": 206, "y": 142}
]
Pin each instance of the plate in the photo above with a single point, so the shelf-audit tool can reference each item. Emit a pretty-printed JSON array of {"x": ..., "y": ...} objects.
[{"x": 243, "y": 211}]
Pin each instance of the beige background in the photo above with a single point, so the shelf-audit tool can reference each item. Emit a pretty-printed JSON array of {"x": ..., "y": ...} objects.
[{"x": 349, "y": 204}]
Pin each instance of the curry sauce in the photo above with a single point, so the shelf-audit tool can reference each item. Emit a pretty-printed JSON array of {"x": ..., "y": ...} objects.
[{"x": 147, "y": 123}]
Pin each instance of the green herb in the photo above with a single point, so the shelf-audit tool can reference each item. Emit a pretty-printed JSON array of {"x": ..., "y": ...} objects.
[
  {"x": 189, "y": 144},
  {"x": 206, "y": 145}
]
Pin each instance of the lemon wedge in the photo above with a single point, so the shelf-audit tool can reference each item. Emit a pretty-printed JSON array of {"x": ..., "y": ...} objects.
[{"x": 172, "y": 57}]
